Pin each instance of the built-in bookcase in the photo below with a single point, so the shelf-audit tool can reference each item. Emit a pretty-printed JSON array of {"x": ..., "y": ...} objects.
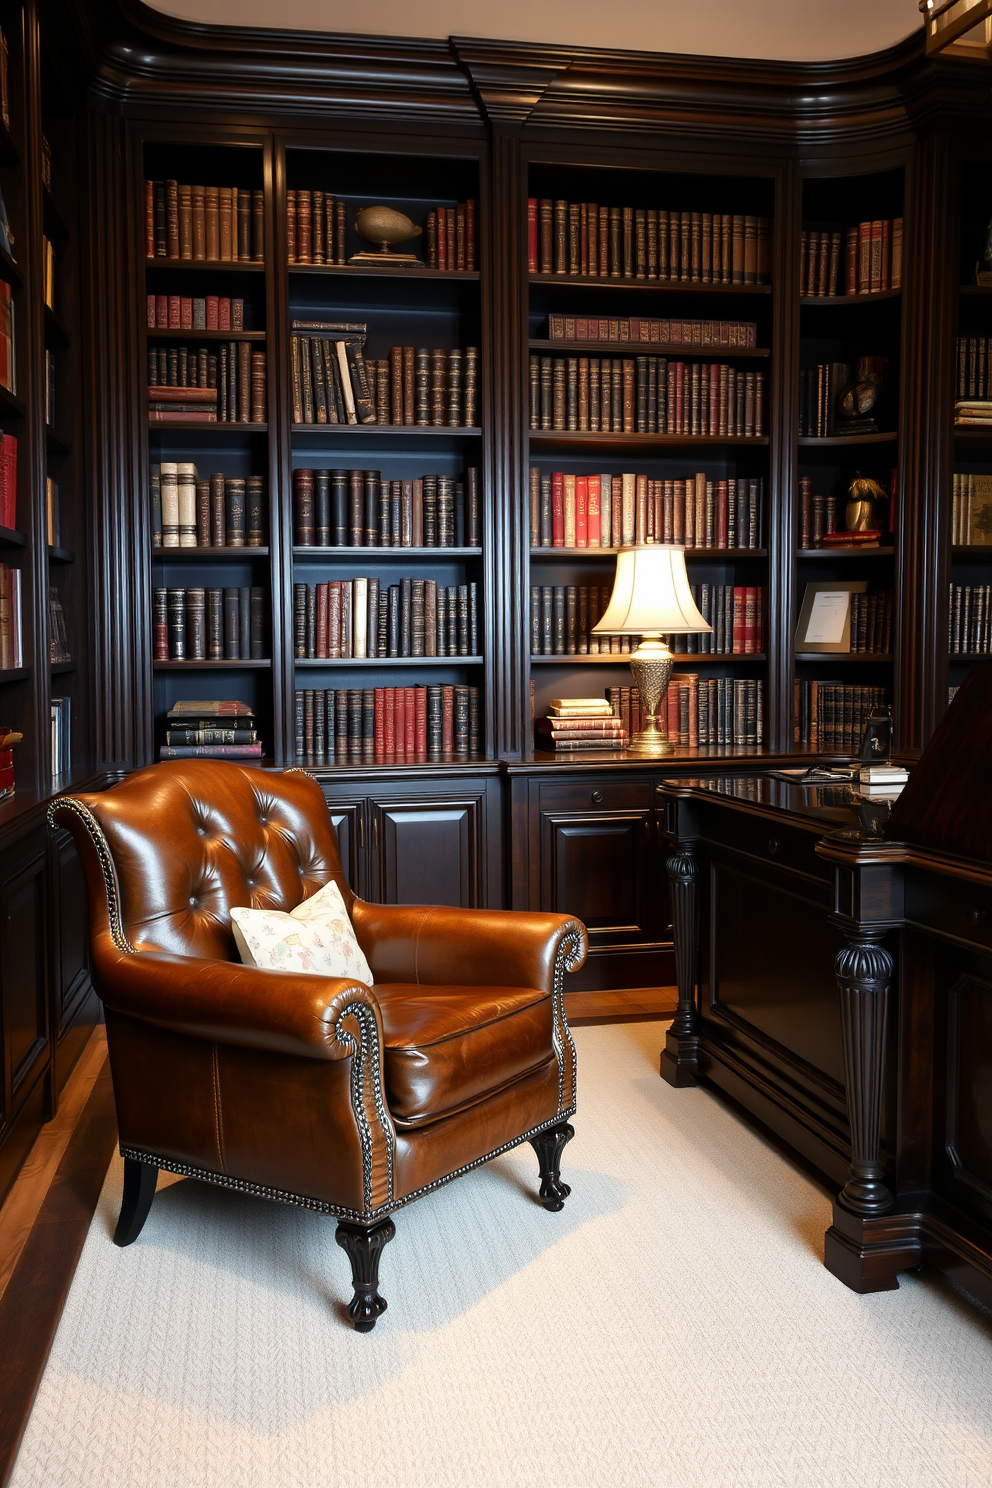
[
  {"x": 629, "y": 291},
  {"x": 837, "y": 328}
]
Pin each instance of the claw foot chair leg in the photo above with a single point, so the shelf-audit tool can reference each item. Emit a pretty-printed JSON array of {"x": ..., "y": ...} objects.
[
  {"x": 549, "y": 1146},
  {"x": 364, "y": 1245}
]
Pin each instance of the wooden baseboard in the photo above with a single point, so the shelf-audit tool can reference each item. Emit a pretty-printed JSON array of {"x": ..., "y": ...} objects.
[
  {"x": 630, "y": 1005},
  {"x": 39, "y": 1284}
]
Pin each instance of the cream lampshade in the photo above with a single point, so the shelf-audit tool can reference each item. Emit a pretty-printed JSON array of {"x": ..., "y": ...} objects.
[{"x": 651, "y": 598}]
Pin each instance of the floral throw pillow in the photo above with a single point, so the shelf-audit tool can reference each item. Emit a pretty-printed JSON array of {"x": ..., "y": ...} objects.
[{"x": 316, "y": 937}]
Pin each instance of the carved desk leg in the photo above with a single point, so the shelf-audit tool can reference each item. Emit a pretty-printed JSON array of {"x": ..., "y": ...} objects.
[
  {"x": 678, "y": 1059},
  {"x": 865, "y": 1245}
]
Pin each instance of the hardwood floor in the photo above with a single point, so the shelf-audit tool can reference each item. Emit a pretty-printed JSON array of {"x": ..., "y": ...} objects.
[{"x": 632, "y": 1005}]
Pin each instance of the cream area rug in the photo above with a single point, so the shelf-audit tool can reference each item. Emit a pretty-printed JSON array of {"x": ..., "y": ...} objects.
[{"x": 673, "y": 1325}]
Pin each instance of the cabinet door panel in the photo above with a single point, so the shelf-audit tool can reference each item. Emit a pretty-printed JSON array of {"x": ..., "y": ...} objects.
[
  {"x": 22, "y": 923},
  {"x": 427, "y": 852},
  {"x": 596, "y": 867},
  {"x": 73, "y": 931}
]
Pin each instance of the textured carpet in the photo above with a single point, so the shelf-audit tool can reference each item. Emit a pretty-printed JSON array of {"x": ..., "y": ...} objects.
[{"x": 673, "y": 1325}]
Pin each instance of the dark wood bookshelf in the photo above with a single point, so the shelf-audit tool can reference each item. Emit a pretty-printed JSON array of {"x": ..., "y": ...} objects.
[
  {"x": 62, "y": 668},
  {"x": 693, "y": 555},
  {"x": 389, "y": 271},
  {"x": 649, "y": 348},
  {"x": 595, "y": 440},
  {"x": 201, "y": 426},
  {"x": 313, "y": 554},
  {"x": 851, "y": 299},
  {"x": 60, "y": 555},
  {"x": 55, "y": 332},
  {"x": 653, "y": 286},
  {"x": 212, "y": 666},
  {"x": 827, "y": 658},
  {"x": 54, "y": 444},
  {"x": 622, "y": 658},
  {"x": 9, "y": 270},
  {"x": 387, "y": 661},
  {"x": 388, "y": 431},
  {"x": 9, "y": 538},
  {"x": 971, "y": 553},
  {"x": 207, "y": 265},
  {"x": 172, "y": 333},
  {"x": 845, "y": 553},
  {"x": 55, "y": 224},
  {"x": 15, "y": 674},
  {"x": 836, "y": 441},
  {"x": 207, "y": 555},
  {"x": 10, "y": 403}
]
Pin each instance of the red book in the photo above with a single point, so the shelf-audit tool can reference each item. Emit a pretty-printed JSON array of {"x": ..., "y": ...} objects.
[
  {"x": 749, "y": 618},
  {"x": 150, "y": 318},
  {"x": 410, "y": 722},
  {"x": 420, "y": 721},
  {"x": 379, "y": 715},
  {"x": 532, "y": 264},
  {"x": 399, "y": 721},
  {"x": 721, "y": 514},
  {"x": 8, "y": 480},
  {"x": 186, "y": 312},
  {"x": 161, "y": 312},
  {"x": 581, "y": 511},
  {"x": 442, "y": 238},
  {"x": 886, "y": 254},
  {"x": 322, "y": 608},
  {"x": 470, "y": 233},
  {"x": 594, "y": 512},
  {"x": 389, "y": 719},
  {"x": 447, "y": 720},
  {"x": 223, "y": 313},
  {"x": 759, "y": 621},
  {"x": 212, "y": 313},
  {"x": 149, "y": 219},
  {"x": 557, "y": 509},
  {"x": 851, "y": 261},
  {"x": 175, "y": 313},
  {"x": 739, "y": 639}
]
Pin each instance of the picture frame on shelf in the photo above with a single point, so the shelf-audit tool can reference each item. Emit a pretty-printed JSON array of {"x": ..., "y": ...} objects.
[{"x": 825, "y": 617}]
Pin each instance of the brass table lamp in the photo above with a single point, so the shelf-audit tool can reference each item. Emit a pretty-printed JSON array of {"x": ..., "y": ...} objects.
[{"x": 651, "y": 598}]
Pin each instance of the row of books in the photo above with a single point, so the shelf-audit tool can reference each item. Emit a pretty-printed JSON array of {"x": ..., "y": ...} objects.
[
  {"x": 971, "y": 509},
  {"x": 614, "y": 511},
  {"x": 871, "y": 622},
  {"x": 706, "y": 710},
  {"x": 226, "y": 386},
  {"x": 358, "y": 509},
  {"x": 212, "y": 224},
  {"x": 562, "y": 617},
  {"x": 11, "y": 637},
  {"x": 969, "y": 620},
  {"x": 397, "y": 725},
  {"x": 201, "y": 624},
  {"x": 196, "y": 313},
  {"x": 832, "y": 401},
  {"x": 61, "y": 735},
  {"x": 831, "y": 716},
  {"x": 215, "y": 511},
  {"x": 872, "y": 259},
  {"x": 333, "y": 383},
  {"x": 317, "y": 226},
  {"x": 8, "y": 480},
  {"x": 736, "y": 613},
  {"x": 817, "y": 514},
  {"x": 219, "y": 728},
  {"x": 364, "y": 618},
  {"x": 646, "y": 243},
  {"x": 973, "y": 364},
  {"x": 58, "y": 636},
  {"x": 643, "y": 329},
  {"x": 645, "y": 395}
]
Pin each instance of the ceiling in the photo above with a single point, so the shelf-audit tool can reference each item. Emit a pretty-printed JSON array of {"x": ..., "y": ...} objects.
[{"x": 777, "y": 30}]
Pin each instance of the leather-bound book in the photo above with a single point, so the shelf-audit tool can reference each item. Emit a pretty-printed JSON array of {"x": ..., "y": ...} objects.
[
  {"x": 471, "y": 257},
  {"x": 460, "y": 245},
  {"x": 422, "y": 387},
  {"x": 227, "y": 242},
  {"x": 561, "y": 237},
  {"x": 533, "y": 261},
  {"x": 303, "y": 507},
  {"x": 304, "y": 227},
  {"x": 340, "y": 233},
  {"x": 255, "y": 497},
  {"x": 329, "y": 219},
  {"x": 232, "y": 624},
  {"x": 235, "y": 498},
  {"x": 417, "y": 618},
  {"x": 363, "y": 388},
  {"x": 429, "y": 502},
  {"x": 615, "y": 240},
  {"x": 396, "y": 385},
  {"x": 472, "y": 507},
  {"x": 438, "y": 386},
  {"x": 319, "y": 238},
  {"x": 417, "y": 514},
  {"x": 430, "y": 238},
  {"x": 321, "y": 641},
  {"x": 372, "y": 617},
  {"x": 244, "y": 622},
  {"x": 383, "y": 394},
  {"x": 245, "y": 392},
  {"x": 574, "y": 239},
  {"x": 177, "y": 624},
  {"x": 318, "y": 379},
  {"x": 356, "y": 508},
  {"x": 340, "y": 524},
  {"x": 291, "y": 226},
  {"x": 202, "y": 513},
  {"x": 241, "y": 247},
  {"x": 470, "y": 410},
  {"x": 408, "y": 389},
  {"x": 233, "y": 400},
  {"x": 172, "y": 219},
  {"x": 258, "y": 226},
  {"x": 546, "y": 222},
  {"x": 299, "y": 620},
  {"x": 454, "y": 390},
  {"x": 160, "y": 614},
  {"x": 211, "y": 219},
  {"x": 169, "y": 484},
  {"x": 751, "y": 252},
  {"x": 321, "y": 508},
  {"x": 371, "y": 483}
]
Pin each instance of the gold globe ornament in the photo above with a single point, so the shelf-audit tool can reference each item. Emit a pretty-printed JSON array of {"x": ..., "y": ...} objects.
[{"x": 386, "y": 227}]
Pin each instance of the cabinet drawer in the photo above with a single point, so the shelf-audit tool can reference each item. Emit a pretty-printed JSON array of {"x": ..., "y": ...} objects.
[{"x": 594, "y": 794}]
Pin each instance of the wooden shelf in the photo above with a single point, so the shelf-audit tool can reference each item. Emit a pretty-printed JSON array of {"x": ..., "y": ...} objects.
[
  {"x": 200, "y": 426},
  {"x": 9, "y": 270},
  {"x": 388, "y": 271},
  {"x": 15, "y": 674},
  {"x": 10, "y": 403},
  {"x": 386, "y": 661},
  {"x": 207, "y": 555},
  {"x": 978, "y": 290},
  {"x": 388, "y": 431},
  {"x": 652, "y": 286},
  {"x": 313, "y": 554},
  {"x": 159, "y": 333},
  {"x": 972, "y": 552},
  {"x": 844, "y": 657},
  {"x": 851, "y": 299},
  {"x": 55, "y": 332},
  {"x": 621, "y": 658},
  {"x": 647, "y": 348},
  {"x": 60, "y": 555},
  {"x": 831, "y": 441},
  {"x": 563, "y": 439},
  {"x": 62, "y": 668},
  {"x": 55, "y": 223},
  {"x": 859, "y": 552},
  {"x": 54, "y": 444},
  {"x": 10, "y": 538},
  {"x": 952, "y": 656},
  {"x": 211, "y": 666},
  {"x": 699, "y": 555},
  {"x": 207, "y": 265}
]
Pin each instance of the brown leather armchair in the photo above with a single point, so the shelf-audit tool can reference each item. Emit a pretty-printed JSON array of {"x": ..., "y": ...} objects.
[{"x": 326, "y": 1093}]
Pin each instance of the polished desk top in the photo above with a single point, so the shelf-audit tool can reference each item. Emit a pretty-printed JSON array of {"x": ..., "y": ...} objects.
[{"x": 822, "y": 807}]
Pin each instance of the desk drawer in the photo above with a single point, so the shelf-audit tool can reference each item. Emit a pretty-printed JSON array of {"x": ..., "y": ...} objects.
[
  {"x": 949, "y": 907},
  {"x": 770, "y": 841},
  {"x": 595, "y": 794}
]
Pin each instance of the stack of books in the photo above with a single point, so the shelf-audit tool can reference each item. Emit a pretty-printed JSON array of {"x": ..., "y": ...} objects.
[
  {"x": 882, "y": 780},
  {"x": 581, "y": 723},
  {"x": 976, "y": 412},
  {"x": 212, "y": 729}
]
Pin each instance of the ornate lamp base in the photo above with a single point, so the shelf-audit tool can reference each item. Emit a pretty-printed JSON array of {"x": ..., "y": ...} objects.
[{"x": 651, "y": 667}]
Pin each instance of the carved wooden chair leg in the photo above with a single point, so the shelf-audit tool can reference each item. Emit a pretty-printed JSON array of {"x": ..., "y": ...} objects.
[
  {"x": 139, "y": 1190},
  {"x": 549, "y": 1146},
  {"x": 365, "y": 1244}
]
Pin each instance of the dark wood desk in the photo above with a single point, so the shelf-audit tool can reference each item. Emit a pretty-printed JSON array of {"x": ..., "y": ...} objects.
[{"x": 838, "y": 986}]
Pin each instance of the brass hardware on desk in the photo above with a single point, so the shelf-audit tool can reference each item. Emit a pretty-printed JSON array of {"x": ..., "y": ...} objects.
[
  {"x": 375, "y": 834},
  {"x": 978, "y": 912},
  {"x": 361, "y": 831},
  {"x": 597, "y": 798},
  {"x": 773, "y": 844}
]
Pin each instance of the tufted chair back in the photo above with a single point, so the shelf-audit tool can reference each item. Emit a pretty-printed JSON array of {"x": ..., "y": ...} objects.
[{"x": 192, "y": 839}]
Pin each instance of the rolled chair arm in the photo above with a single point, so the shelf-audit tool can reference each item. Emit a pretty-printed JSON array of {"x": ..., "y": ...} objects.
[
  {"x": 285, "y": 1012},
  {"x": 472, "y": 947}
]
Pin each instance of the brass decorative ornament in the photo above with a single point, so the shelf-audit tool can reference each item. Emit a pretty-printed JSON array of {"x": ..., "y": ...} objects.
[
  {"x": 386, "y": 227},
  {"x": 859, "y": 514},
  {"x": 651, "y": 669}
]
